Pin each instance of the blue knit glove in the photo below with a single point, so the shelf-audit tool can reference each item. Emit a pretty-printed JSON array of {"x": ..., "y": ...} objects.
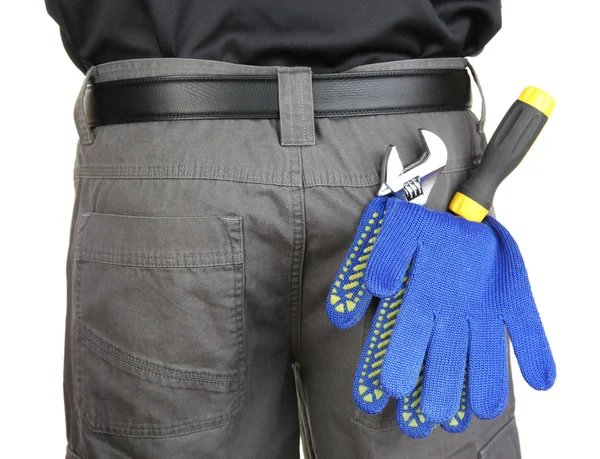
[
  {"x": 348, "y": 297},
  {"x": 510, "y": 302},
  {"x": 347, "y": 302},
  {"x": 372, "y": 399},
  {"x": 466, "y": 282}
]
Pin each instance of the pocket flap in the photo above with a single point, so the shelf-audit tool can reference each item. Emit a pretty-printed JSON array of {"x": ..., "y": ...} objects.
[{"x": 160, "y": 241}]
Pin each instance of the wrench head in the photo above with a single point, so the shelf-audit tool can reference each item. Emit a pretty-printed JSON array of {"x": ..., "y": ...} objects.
[
  {"x": 414, "y": 182},
  {"x": 391, "y": 170}
]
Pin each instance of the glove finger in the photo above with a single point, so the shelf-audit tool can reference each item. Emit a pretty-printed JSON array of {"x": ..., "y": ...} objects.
[
  {"x": 368, "y": 393},
  {"x": 367, "y": 382},
  {"x": 394, "y": 248},
  {"x": 348, "y": 297},
  {"x": 412, "y": 421},
  {"x": 409, "y": 415},
  {"x": 462, "y": 419},
  {"x": 532, "y": 350},
  {"x": 488, "y": 368},
  {"x": 445, "y": 368},
  {"x": 520, "y": 313},
  {"x": 407, "y": 331}
]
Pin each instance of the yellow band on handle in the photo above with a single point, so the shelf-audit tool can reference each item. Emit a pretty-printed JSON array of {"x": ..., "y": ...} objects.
[
  {"x": 539, "y": 99},
  {"x": 467, "y": 208}
]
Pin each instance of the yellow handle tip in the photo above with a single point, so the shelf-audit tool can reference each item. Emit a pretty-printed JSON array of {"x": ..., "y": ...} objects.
[
  {"x": 539, "y": 99},
  {"x": 467, "y": 208}
]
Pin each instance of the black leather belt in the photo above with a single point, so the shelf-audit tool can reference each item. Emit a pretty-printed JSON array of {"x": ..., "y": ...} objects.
[{"x": 251, "y": 96}]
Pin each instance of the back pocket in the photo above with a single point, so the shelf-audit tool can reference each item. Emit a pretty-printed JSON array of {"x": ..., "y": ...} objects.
[{"x": 159, "y": 322}]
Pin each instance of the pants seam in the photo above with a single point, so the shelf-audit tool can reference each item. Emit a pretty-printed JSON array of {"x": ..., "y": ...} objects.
[{"x": 298, "y": 248}]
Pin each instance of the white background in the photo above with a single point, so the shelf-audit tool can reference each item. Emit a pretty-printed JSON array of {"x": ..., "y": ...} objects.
[{"x": 550, "y": 204}]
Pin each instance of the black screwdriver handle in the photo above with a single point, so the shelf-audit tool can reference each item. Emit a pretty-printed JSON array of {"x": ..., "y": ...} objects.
[{"x": 509, "y": 144}]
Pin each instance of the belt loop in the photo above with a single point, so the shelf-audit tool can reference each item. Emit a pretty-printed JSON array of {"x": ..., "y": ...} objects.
[
  {"x": 296, "y": 108},
  {"x": 481, "y": 124},
  {"x": 86, "y": 136}
]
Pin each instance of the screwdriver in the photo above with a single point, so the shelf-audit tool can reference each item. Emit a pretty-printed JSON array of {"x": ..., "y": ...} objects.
[{"x": 508, "y": 146}]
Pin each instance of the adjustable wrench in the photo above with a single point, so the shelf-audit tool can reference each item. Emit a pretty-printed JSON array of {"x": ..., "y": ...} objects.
[{"x": 413, "y": 183}]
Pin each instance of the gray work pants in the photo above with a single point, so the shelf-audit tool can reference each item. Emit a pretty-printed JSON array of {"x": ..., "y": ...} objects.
[{"x": 200, "y": 257}]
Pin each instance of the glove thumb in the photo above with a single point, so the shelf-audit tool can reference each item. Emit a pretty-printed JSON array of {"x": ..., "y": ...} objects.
[{"x": 394, "y": 248}]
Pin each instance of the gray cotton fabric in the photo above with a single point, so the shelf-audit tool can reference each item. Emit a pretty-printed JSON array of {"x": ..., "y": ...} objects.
[{"x": 201, "y": 253}]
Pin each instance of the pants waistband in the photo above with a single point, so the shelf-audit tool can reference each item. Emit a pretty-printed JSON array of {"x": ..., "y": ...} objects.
[{"x": 172, "y": 88}]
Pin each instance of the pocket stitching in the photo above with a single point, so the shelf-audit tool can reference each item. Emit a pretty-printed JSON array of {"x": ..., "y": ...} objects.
[
  {"x": 193, "y": 377},
  {"x": 239, "y": 299},
  {"x": 188, "y": 257},
  {"x": 112, "y": 258},
  {"x": 77, "y": 313},
  {"x": 189, "y": 425}
]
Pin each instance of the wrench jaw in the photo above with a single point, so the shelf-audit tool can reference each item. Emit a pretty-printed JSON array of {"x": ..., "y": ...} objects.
[
  {"x": 391, "y": 168},
  {"x": 415, "y": 182}
]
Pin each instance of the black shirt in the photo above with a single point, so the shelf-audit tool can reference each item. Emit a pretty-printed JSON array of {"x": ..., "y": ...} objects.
[{"x": 327, "y": 35}]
